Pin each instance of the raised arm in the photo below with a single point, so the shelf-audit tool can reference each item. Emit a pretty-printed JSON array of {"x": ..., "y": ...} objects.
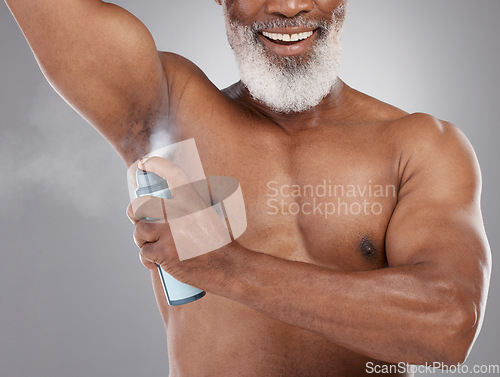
[{"x": 103, "y": 62}]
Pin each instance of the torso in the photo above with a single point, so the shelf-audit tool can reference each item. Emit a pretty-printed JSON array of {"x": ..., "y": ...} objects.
[{"x": 289, "y": 180}]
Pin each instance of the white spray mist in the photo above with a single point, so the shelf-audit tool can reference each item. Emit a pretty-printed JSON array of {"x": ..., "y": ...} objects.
[
  {"x": 55, "y": 139},
  {"x": 160, "y": 137}
]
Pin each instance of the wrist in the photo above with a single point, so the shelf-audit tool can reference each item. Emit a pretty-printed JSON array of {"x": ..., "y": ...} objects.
[{"x": 224, "y": 270}]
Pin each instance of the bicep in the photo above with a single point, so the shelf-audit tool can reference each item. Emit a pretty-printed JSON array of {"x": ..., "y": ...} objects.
[
  {"x": 100, "y": 59},
  {"x": 437, "y": 220}
]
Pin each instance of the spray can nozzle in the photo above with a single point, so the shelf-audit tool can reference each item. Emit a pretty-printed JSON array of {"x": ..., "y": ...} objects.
[{"x": 151, "y": 184}]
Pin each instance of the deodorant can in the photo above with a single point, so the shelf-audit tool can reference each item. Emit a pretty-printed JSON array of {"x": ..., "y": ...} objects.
[{"x": 177, "y": 293}]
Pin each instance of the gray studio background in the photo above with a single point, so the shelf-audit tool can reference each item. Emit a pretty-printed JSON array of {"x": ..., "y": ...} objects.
[{"x": 74, "y": 298}]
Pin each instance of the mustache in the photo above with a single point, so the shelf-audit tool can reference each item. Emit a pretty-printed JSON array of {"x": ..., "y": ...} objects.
[
  {"x": 323, "y": 26},
  {"x": 298, "y": 21},
  {"x": 339, "y": 16}
]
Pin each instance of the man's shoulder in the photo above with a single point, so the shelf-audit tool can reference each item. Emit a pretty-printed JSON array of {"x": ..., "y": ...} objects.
[
  {"x": 419, "y": 138},
  {"x": 422, "y": 131},
  {"x": 416, "y": 126},
  {"x": 430, "y": 147}
]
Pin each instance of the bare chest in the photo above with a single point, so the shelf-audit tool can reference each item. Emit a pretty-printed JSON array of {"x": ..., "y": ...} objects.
[{"x": 323, "y": 196}]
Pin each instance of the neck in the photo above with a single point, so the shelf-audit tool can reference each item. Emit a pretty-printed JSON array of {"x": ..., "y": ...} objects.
[{"x": 330, "y": 110}]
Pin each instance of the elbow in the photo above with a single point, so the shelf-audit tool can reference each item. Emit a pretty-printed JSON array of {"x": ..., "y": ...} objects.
[
  {"x": 455, "y": 355},
  {"x": 460, "y": 320},
  {"x": 460, "y": 338}
]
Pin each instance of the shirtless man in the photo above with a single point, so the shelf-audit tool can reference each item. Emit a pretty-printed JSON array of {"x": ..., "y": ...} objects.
[{"x": 386, "y": 276}]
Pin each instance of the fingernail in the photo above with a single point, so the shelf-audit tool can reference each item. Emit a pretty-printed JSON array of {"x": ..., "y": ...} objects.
[{"x": 142, "y": 162}]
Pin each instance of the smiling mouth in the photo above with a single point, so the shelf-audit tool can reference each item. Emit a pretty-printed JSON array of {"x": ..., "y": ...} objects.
[{"x": 287, "y": 39}]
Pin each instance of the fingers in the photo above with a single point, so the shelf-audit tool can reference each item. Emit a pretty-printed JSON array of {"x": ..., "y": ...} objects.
[
  {"x": 153, "y": 240},
  {"x": 149, "y": 254},
  {"x": 158, "y": 253},
  {"x": 173, "y": 174},
  {"x": 131, "y": 215},
  {"x": 147, "y": 263},
  {"x": 146, "y": 208},
  {"x": 147, "y": 233}
]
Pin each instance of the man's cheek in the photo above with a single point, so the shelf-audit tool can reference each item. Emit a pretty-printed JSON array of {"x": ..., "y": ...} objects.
[{"x": 328, "y": 6}]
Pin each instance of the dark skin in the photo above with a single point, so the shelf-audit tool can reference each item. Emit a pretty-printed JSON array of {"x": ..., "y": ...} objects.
[{"x": 296, "y": 295}]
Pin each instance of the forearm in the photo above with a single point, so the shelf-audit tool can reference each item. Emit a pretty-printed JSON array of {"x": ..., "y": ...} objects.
[{"x": 394, "y": 314}]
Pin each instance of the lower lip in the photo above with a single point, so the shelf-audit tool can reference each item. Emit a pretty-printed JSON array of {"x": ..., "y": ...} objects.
[{"x": 297, "y": 48}]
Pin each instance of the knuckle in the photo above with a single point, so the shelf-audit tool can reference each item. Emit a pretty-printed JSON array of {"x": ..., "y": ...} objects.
[
  {"x": 147, "y": 250},
  {"x": 139, "y": 241},
  {"x": 144, "y": 233},
  {"x": 144, "y": 228}
]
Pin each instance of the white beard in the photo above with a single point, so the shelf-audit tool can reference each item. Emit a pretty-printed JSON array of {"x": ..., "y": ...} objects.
[{"x": 288, "y": 84}]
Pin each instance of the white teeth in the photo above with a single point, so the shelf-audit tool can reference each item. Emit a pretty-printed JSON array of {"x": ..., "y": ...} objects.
[{"x": 288, "y": 37}]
